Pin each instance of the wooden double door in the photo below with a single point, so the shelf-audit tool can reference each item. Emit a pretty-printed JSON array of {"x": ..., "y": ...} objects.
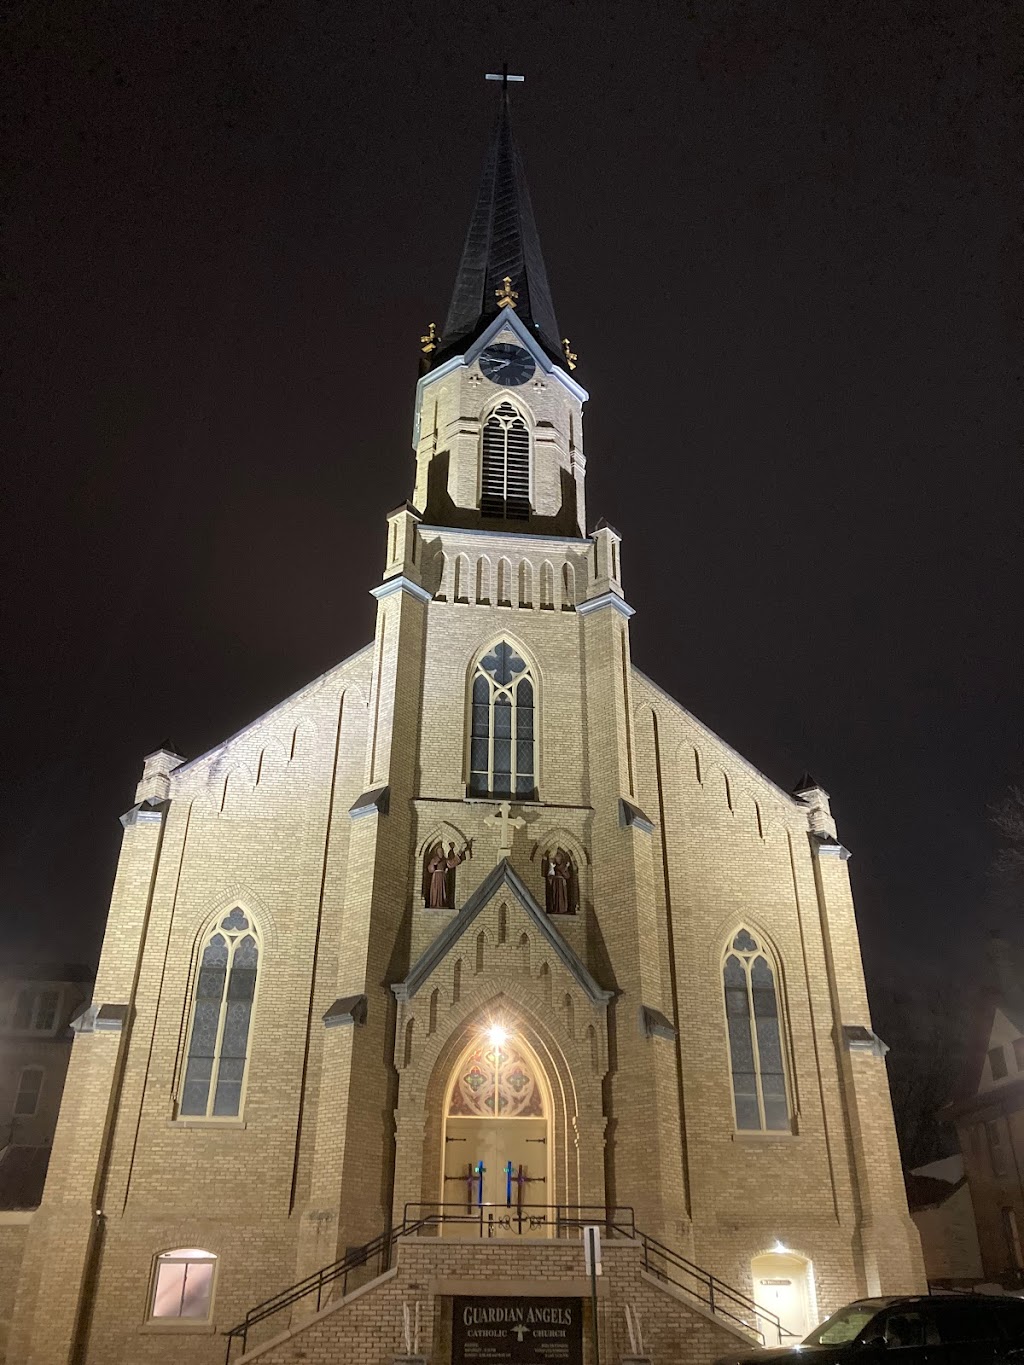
[{"x": 496, "y": 1169}]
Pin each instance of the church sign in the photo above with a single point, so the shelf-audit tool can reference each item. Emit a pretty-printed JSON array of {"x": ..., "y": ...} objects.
[{"x": 517, "y": 1331}]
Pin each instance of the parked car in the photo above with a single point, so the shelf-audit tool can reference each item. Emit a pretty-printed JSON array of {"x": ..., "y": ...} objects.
[{"x": 933, "y": 1329}]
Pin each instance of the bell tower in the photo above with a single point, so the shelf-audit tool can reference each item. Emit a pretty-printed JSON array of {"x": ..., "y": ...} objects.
[{"x": 498, "y": 420}]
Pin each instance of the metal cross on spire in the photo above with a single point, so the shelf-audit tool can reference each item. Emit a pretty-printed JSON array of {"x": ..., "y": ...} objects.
[{"x": 504, "y": 77}]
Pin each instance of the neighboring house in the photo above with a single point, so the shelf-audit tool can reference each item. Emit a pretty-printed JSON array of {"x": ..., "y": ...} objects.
[
  {"x": 988, "y": 1112},
  {"x": 940, "y": 1204},
  {"x": 37, "y": 1005}
]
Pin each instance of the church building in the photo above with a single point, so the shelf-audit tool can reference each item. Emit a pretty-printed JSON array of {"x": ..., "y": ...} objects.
[{"x": 476, "y": 941}]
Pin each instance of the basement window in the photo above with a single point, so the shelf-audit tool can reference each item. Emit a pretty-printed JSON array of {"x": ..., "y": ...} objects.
[{"x": 183, "y": 1285}]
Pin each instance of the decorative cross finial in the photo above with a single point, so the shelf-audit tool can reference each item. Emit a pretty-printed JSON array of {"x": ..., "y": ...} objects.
[
  {"x": 504, "y": 78},
  {"x": 570, "y": 355},
  {"x": 432, "y": 340},
  {"x": 503, "y": 816},
  {"x": 506, "y": 295}
]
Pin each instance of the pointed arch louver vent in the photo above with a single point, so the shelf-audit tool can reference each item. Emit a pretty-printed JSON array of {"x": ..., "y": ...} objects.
[{"x": 505, "y": 483}]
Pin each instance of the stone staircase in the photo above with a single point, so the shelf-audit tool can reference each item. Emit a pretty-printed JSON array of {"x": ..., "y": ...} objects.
[{"x": 361, "y": 1323}]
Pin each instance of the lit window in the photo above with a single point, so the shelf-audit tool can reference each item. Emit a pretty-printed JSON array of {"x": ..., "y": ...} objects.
[
  {"x": 755, "y": 1038},
  {"x": 183, "y": 1285},
  {"x": 30, "y": 1083},
  {"x": 997, "y": 1061},
  {"x": 502, "y": 753},
  {"x": 36, "y": 1011},
  {"x": 221, "y": 1021},
  {"x": 505, "y": 466}
]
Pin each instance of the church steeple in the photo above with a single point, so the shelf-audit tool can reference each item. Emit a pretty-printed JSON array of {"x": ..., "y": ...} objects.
[{"x": 501, "y": 244}]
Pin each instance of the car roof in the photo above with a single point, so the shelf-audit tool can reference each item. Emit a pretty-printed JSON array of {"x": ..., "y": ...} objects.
[{"x": 950, "y": 1295}]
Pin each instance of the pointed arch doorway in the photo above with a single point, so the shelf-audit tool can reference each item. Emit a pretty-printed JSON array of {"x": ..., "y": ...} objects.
[{"x": 497, "y": 1131}]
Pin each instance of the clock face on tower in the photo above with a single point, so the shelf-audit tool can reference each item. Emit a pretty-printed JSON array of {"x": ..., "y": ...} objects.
[{"x": 506, "y": 364}]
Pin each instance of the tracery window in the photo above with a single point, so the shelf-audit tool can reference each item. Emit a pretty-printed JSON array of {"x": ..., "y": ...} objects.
[
  {"x": 505, "y": 480},
  {"x": 221, "y": 1020},
  {"x": 755, "y": 1037},
  {"x": 183, "y": 1285},
  {"x": 496, "y": 1081},
  {"x": 502, "y": 757}
]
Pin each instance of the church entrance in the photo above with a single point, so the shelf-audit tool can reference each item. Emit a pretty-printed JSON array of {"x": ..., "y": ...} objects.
[{"x": 496, "y": 1141}]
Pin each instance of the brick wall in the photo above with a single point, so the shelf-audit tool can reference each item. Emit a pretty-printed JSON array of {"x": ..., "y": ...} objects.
[{"x": 13, "y": 1236}]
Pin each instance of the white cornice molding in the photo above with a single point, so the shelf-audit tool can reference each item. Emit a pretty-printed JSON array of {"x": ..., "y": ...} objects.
[
  {"x": 607, "y": 599},
  {"x": 400, "y": 584}
]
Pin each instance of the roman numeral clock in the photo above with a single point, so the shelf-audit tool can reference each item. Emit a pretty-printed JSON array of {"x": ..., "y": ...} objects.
[{"x": 507, "y": 364}]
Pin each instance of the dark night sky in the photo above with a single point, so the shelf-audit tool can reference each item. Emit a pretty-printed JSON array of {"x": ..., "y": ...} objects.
[{"x": 786, "y": 242}]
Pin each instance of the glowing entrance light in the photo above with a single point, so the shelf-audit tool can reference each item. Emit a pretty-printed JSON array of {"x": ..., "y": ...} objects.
[{"x": 496, "y": 1035}]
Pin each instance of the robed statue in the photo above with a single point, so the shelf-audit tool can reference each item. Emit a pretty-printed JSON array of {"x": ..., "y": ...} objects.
[
  {"x": 439, "y": 881},
  {"x": 561, "y": 883}
]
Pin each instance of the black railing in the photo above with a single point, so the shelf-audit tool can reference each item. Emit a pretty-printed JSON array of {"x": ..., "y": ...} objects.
[
  {"x": 501, "y": 1221},
  {"x": 375, "y": 1253},
  {"x": 720, "y": 1298},
  {"x": 521, "y": 1220}
]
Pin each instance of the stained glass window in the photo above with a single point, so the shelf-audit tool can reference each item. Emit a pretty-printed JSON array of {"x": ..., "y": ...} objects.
[
  {"x": 502, "y": 759},
  {"x": 755, "y": 1038},
  {"x": 505, "y": 465},
  {"x": 496, "y": 1081},
  {"x": 183, "y": 1284},
  {"x": 221, "y": 1021}
]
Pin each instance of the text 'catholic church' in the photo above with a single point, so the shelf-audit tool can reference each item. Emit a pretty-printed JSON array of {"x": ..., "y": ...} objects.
[{"x": 476, "y": 940}]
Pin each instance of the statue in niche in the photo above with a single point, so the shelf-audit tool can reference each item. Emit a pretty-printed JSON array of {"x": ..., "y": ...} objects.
[
  {"x": 439, "y": 878},
  {"x": 561, "y": 883}
]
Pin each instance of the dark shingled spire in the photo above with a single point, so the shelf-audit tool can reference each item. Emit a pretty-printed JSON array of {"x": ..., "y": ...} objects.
[
  {"x": 806, "y": 784},
  {"x": 502, "y": 240}
]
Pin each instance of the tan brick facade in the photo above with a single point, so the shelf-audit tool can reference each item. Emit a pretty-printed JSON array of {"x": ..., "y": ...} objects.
[{"x": 316, "y": 821}]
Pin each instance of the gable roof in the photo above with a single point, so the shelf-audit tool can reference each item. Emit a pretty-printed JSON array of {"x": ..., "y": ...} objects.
[
  {"x": 927, "y": 1192},
  {"x": 502, "y": 876},
  {"x": 222, "y": 747}
]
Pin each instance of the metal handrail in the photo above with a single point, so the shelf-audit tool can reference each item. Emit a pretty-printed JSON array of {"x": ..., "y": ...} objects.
[
  {"x": 378, "y": 1248},
  {"x": 717, "y": 1293},
  {"x": 492, "y": 1219}
]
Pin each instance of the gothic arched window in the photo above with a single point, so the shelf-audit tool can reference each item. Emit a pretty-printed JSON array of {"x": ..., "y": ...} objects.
[
  {"x": 221, "y": 1020},
  {"x": 501, "y": 748},
  {"x": 755, "y": 1037},
  {"x": 505, "y": 480}
]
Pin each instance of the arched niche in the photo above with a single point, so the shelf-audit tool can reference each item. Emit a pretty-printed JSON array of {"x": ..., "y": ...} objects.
[{"x": 571, "y": 1087}]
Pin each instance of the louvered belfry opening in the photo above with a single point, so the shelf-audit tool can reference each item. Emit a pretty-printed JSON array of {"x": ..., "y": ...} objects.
[{"x": 505, "y": 485}]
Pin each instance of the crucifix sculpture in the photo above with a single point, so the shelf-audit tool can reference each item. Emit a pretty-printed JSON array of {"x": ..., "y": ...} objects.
[
  {"x": 473, "y": 1179},
  {"x": 508, "y": 822},
  {"x": 519, "y": 1178}
]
